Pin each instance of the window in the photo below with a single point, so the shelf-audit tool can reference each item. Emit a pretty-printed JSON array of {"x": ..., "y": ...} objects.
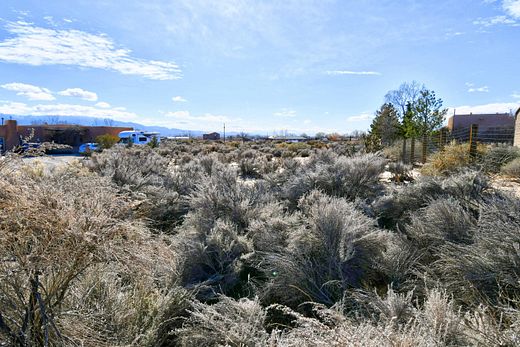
[{"x": 142, "y": 139}]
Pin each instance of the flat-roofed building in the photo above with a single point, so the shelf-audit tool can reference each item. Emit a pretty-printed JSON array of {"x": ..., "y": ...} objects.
[{"x": 12, "y": 134}]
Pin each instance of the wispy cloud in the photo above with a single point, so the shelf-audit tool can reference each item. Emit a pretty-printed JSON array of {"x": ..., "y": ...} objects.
[
  {"x": 102, "y": 104},
  {"x": 361, "y": 117},
  {"x": 207, "y": 117},
  {"x": 492, "y": 21},
  {"x": 512, "y": 7},
  {"x": 515, "y": 95},
  {"x": 79, "y": 93},
  {"x": 473, "y": 89},
  {"x": 29, "y": 91},
  {"x": 179, "y": 99},
  {"x": 485, "y": 109},
  {"x": 34, "y": 45},
  {"x": 512, "y": 14},
  {"x": 348, "y": 72},
  {"x": 286, "y": 113}
]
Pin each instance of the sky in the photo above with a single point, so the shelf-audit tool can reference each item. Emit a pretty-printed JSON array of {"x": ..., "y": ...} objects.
[{"x": 259, "y": 66}]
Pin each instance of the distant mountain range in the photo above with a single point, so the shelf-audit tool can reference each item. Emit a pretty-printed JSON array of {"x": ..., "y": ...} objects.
[{"x": 93, "y": 121}]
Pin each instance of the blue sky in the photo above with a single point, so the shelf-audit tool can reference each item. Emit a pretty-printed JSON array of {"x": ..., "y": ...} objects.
[{"x": 258, "y": 66}]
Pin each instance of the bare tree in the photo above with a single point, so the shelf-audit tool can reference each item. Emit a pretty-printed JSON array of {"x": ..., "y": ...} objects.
[
  {"x": 407, "y": 93},
  {"x": 403, "y": 100}
]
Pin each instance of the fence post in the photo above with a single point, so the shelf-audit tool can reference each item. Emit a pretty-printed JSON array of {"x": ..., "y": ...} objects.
[
  {"x": 424, "y": 147},
  {"x": 412, "y": 150},
  {"x": 473, "y": 132},
  {"x": 404, "y": 150},
  {"x": 442, "y": 139}
]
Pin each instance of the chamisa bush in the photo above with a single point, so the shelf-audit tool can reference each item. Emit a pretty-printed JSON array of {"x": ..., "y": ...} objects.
[{"x": 199, "y": 243}]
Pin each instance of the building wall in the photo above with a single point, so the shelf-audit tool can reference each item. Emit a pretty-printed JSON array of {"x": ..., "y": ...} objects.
[
  {"x": 72, "y": 135},
  {"x": 463, "y": 121},
  {"x": 211, "y": 136},
  {"x": 516, "y": 141}
]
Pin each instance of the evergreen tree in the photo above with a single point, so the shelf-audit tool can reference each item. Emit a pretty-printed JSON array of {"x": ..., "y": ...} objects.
[{"x": 385, "y": 128}]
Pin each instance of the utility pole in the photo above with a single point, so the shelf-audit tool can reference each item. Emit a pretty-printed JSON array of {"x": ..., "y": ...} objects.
[{"x": 224, "y": 132}]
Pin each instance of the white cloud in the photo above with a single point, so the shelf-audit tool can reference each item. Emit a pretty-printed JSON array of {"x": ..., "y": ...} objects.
[
  {"x": 361, "y": 117},
  {"x": 79, "y": 93},
  {"x": 178, "y": 99},
  {"x": 63, "y": 110},
  {"x": 498, "y": 20},
  {"x": 207, "y": 117},
  {"x": 515, "y": 95},
  {"x": 485, "y": 109},
  {"x": 29, "y": 91},
  {"x": 34, "y": 45},
  {"x": 473, "y": 89},
  {"x": 359, "y": 73},
  {"x": 288, "y": 113},
  {"x": 512, "y": 7},
  {"x": 102, "y": 104}
]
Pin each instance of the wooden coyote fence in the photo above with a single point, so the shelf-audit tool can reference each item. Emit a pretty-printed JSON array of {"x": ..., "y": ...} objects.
[{"x": 471, "y": 135}]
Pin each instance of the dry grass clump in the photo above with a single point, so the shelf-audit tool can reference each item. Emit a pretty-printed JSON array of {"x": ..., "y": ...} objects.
[
  {"x": 512, "y": 168},
  {"x": 453, "y": 158}
]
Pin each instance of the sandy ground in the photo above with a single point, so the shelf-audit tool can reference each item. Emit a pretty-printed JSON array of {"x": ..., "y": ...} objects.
[
  {"x": 52, "y": 161},
  {"x": 507, "y": 185}
]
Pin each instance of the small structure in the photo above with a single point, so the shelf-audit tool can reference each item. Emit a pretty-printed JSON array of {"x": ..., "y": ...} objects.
[
  {"x": 12, "y": 134},
  {"x": 211, "y": 136},
  {"x": 288, "y": 138}
]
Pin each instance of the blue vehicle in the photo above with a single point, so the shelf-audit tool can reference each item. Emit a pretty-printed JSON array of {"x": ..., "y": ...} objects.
[{"x": 88, "y": 148}]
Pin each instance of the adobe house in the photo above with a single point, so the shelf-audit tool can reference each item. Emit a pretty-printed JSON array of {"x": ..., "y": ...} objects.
[
  {"x": 12, "y": 134},
  {"x": 211, "y": 136},
  {"x": 516, "y": 141},
  {"x": 484, "y": 121}
]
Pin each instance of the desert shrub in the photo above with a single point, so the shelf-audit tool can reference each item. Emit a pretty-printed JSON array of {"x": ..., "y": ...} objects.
[
  {"x": 134, "y": 167},
  {"x": 49, "y": 236},
  {"x": 400, "y": 171},
  {"x": 221, "y": 196},
  {"x": 394, "y": 209},
  {"x": 272, "y": 228},
  {"x": 249, "y": 168},
  {"x": 226, "y": 323},
  {"x": 512, "y": 168},
  {"x": 496, "y": 156},
  {"x": 213, "y": 262},
  {"x": 474, "y": 273},
  {"x": 107, "y": 141},
  {"x": 351, "y": 178},
  {"x": 336, "y": 250},
  {"x": 442, "y": 220},
  {"x": 298, "y": 146}
]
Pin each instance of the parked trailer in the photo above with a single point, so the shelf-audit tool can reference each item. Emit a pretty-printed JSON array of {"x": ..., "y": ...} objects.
[{"x": 138, "y": 137}]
